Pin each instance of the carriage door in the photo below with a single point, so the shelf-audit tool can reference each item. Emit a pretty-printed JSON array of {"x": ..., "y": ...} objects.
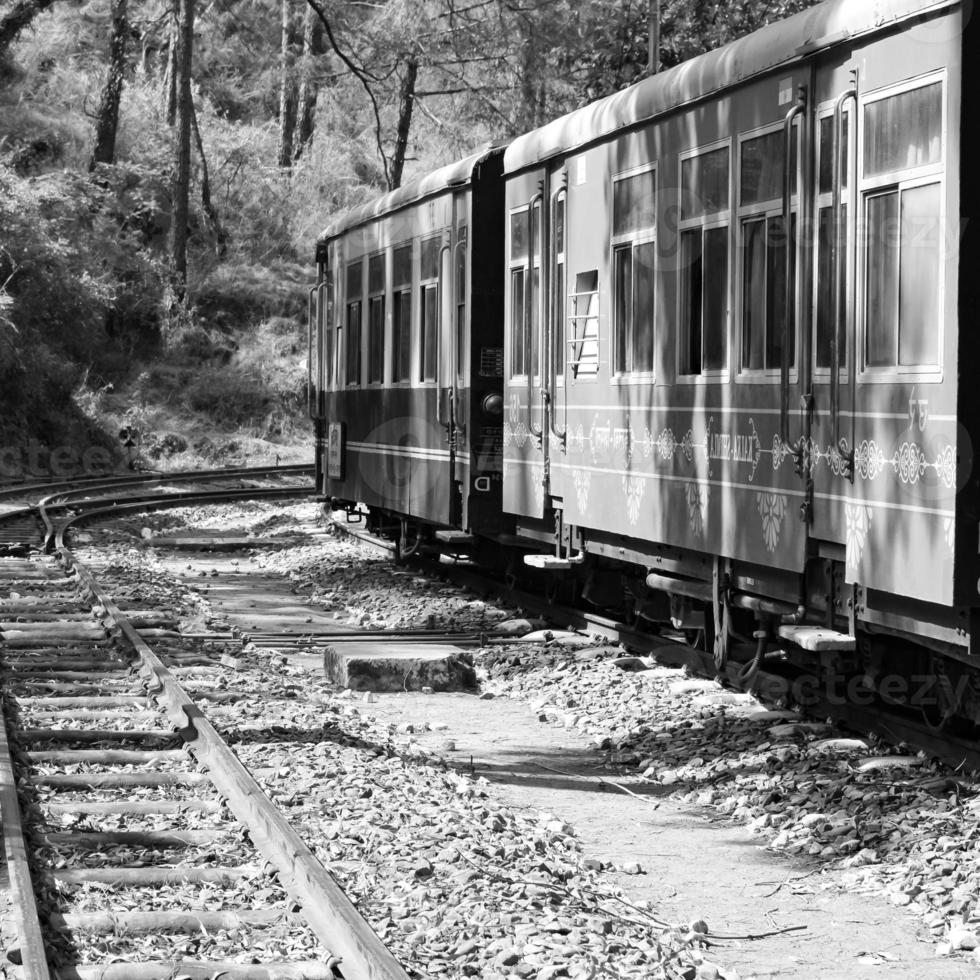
[
  {"x": 318, "y": 358},
  {"x": 884, "y": 447},
  {"x": 448, "y": 383},
  {"x": 525, "y": 438}
]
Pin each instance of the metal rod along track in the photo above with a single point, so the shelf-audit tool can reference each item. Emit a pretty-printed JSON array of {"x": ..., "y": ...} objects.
[{"x": 328, "y": 911}]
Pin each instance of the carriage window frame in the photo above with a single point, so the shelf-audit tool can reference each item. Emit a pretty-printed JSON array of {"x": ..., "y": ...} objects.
[
  {"x": 527, "y": 264},
  {"x": 899, "y": 181},
  {"x": 558, "y": 312},
  {"x": 706, "y": 222},
  {"x": 429, "y": 284},
  {"x": 337, "y": 366},
  {"x": 377, "y": 298},
  {"x": 461, "y": 297},
  {"x": 326, "y": 325},
  {"x": 353, "y": 347},
  {"x": 402, "y": 296},
  {"x": 825, "y": 199},
  {"x": 327, "y": 322},
  {"x": 631, "y": 239},
  {"x": 764, "y": 210}
]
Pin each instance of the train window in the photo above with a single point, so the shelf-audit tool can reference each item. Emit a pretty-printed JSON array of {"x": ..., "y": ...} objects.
[
  {"x": 459, "y": 274},
  {"x": 401, "y": 281},
  {"x": 704, "y": 300},
  {"x": 826, "y": 284},
  {"x": 902, "y": 208},
  {"x": 903, "y": 131},
  {"x": 764, "y": 293},
  {"x": 761, "y": 170},
  {"x": 763, "y": 249},
  {"x": 903, "y": 268},
  {"x": 703, "y": 271},
  {"x": 704, "y": 184},
  {"x": 584, "y": 362},
  {"x": 376, "y": 318},
  {"x": 635, "y": 202},
  {"x": 429, "y": 308},
  {"x": 826, "y": 178},
  {"x": 327, "y": 325},
  {"x": 535, "y": 325},
  {"x": 634, "y": 272},
  {"x": 519, "y": 352},
  {"x": 525, "y": 289},
  {"x": 827, "y": 287},
  {"x": 519, "y": 235},
  {"x": 558, "y": 285},
  {"x": 354, "y": 300}
]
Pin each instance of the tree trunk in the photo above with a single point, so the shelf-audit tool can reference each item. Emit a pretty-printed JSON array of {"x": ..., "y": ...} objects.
[
  {"x": 170, "y": 71},
  {"x": 306, "y": 99},
  {"x": 108, "y": 117},
  {"x": 653, "y": 52},
  {"x": 17, "y": 18},
  {"x": 182, "y": 147},
  {"x": 406, "y": 103},
  {"x": 220, "y": 238},
  {"x": 287, "y": 90}
]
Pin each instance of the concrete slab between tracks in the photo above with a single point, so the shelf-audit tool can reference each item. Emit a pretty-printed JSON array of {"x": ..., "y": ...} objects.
[
  {"x": 387, "y": 667},
  {"x": 214, "y": 543}
]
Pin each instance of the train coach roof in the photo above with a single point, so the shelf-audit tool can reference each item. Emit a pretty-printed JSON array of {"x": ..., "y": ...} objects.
[
  {"x": 767, "y": 49},
  {"x": 455, "y": 174}
]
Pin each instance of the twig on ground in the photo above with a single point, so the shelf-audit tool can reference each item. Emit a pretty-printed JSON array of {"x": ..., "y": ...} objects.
[{"x": 602, "y": 782}]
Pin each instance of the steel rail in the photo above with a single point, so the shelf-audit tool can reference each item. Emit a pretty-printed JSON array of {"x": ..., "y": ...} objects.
[
  {"x": 81, "y": 483},
  {"x": 329, "y": 912},
  {"x": 326, "y": 908},
  {"x": 106, "y": 507},
  {"x": 34, "y": 964}
]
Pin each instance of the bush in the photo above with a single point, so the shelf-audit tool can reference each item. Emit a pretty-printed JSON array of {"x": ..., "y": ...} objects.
[{"x": 81, "y": 280}]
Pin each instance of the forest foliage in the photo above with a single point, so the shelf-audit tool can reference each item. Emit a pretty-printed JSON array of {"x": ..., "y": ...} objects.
[{"x": 300, "y": 109}]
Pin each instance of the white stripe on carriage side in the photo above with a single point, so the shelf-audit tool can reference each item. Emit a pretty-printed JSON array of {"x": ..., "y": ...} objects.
[
  {"x": 886, "y": 504},
  {"x": 412, "y": 452},
  {"x": 640, "y": 410}
]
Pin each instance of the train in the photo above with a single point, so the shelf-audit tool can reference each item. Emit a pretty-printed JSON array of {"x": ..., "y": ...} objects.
[{"x": 697, "y": 352}]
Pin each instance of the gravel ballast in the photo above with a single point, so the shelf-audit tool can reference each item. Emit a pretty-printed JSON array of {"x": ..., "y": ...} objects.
[{"x": 892, "y": 822}]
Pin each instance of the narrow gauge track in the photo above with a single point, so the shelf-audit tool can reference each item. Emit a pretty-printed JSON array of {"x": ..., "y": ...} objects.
[
  {"x": 820, "y": 699},
  {"x": 106, "y": 729},
  {"x": 21, "y": 525}
]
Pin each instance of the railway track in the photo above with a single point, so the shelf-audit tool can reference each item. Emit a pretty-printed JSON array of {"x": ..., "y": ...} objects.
[{"x": 135, "y": 840}]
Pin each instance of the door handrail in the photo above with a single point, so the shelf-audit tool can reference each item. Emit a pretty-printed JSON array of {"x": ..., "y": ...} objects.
[
  {"x": 841, "y": 445},
  {"x": 312, "y": 390},
  {"x": 537, "y": 198},
  {"x": 454, "y": 350},
  {"x": 555, "y": 312},
  {"x": 789, "y": 310},
  {"x": 444, "y": 248}
]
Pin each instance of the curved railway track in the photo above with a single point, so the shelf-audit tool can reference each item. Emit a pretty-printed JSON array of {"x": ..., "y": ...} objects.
[{"x": 109, "y": 754}]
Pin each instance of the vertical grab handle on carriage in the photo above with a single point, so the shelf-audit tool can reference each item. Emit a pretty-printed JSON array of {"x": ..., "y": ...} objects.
[
  {"x": 841, "y": 285},
  {"x": 455, "y": 341},
  {"x": 312, "y": 387},
  {"x": 556, "y": 314},
  {"x": 789, "y": 310},
  {"x": 538, "y": 200},
  {"x": 444, "y": 290}
]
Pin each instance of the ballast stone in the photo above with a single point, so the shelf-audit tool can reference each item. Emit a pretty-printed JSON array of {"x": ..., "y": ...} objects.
[{"x": 386, "y": 667}]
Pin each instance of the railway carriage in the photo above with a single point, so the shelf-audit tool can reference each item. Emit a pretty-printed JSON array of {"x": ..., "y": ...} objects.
[
  {"x": 737, "y": 304},
  {"x": 406, "y": 350}
]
